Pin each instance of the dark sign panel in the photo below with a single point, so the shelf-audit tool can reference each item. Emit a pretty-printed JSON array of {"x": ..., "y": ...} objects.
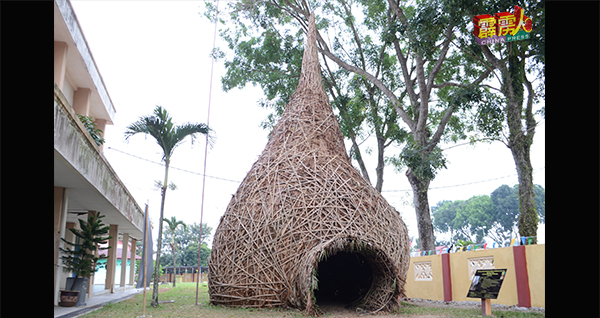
[{"x": 486, "y": 283}]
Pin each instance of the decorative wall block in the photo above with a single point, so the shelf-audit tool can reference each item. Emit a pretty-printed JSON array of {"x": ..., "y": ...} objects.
[
  {"x": 480, "y": 263},
  {"x": 423, "y": 271}
]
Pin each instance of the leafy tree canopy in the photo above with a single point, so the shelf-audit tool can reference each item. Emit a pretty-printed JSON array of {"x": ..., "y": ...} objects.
[
  {"x": 186, "y": 240},
  {"x": 495, "y": 216}
]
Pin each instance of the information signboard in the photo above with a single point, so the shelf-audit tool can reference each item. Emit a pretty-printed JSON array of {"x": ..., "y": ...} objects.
[{"x": 486, "y": 283}]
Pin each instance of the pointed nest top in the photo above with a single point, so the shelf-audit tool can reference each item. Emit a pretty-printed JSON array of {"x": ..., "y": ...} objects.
[
  {"x": 310, "y": 77},
  {"x": 308, "y": 123}
]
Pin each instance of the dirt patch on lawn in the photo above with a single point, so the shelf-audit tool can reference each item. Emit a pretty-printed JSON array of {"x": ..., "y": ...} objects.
[{"x": 340, "y": 311}]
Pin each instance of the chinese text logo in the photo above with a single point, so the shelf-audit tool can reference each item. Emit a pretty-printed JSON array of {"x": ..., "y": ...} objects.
[{"x": 502, "y": 27}]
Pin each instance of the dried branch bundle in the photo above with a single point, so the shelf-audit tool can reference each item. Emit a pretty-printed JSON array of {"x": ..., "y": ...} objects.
[{"x": 301, "y": 202}]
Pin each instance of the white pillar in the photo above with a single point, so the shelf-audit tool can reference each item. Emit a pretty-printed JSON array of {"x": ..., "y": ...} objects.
[
  {"x": 60, "y": 221},
  {"x": 60, "y": 63},
  {"x": 111, "y": 262},
  {"x": 81, "y": 101},
  {"x": 124, "y": 251},
  {"x": 132, "y": 264}
]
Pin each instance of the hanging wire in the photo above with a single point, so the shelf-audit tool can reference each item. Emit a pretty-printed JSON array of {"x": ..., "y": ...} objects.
[
  {"x": 172, "y": 167},
  {"x": 236, "y": 181},
  {"x": 212, "y": 56},
  {"x": 465, "y": 184}
]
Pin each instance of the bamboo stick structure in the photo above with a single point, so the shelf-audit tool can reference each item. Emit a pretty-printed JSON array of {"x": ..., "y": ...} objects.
[{"x": 302, "y": 203}]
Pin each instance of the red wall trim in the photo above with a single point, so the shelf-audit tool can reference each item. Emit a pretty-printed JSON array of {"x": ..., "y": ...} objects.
[
  {"x": 523, "y": 293},
  {"x": 447, "y": 280}
]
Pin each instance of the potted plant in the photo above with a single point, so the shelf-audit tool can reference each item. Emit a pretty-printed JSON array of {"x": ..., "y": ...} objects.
[{"x": 81, "y": 260}]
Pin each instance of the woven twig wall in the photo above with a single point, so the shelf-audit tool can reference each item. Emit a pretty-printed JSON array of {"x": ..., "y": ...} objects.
[{"x": 301, "y": 202}]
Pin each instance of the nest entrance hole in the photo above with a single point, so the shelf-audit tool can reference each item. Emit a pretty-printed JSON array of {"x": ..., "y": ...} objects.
[{"x": 344, "y": 279}]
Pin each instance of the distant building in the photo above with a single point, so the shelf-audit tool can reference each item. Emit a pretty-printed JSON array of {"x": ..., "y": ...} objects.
[
  {"x": 100, "y": 275},
  {"x": 84, "y": 181}
]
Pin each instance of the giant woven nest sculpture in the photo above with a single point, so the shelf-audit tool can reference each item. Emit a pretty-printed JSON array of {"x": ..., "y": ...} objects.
[{"x": 304, "y": 227}]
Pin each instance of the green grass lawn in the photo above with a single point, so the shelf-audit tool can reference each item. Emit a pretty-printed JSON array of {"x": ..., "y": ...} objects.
[
  {"x": 409, "y": 310},
  {"x": 184, "y": 306}
]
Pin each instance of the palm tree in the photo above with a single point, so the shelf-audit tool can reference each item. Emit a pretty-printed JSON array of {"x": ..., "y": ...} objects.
[
  {"x": 168, "y": 136},
  {"x": 172, "y": 225}
]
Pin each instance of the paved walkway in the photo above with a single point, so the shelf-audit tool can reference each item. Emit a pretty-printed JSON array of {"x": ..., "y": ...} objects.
[{"x": 101, "y": 297}]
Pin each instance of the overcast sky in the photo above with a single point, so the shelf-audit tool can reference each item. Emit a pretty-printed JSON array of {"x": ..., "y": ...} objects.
[{"x": 157, "y": 53}]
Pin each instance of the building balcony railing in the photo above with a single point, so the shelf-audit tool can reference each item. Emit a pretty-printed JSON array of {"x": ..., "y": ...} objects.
[{"x": 76, "y": 146}]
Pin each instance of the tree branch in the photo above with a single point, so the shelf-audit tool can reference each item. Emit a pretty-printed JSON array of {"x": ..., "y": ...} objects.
[
  {"x": 421, "y": 108},
  {"x": 448, "y": 114},
  {"x": 492, "y": 59},
  {"x": 403, "y": 64},
  {"x": 444, "y": 84},
  {"x": 356, "y": 37},
  {"x": 438, "y": 64},
  {"x": 388, "y": 93},
  {"x": 473, "y": 55}
]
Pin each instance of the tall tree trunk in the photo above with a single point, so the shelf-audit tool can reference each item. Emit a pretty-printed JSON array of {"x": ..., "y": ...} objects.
[
  {"x": 173, "y": 251},
  {"x": 421, "y": 201},
  {"x": 528, "y": 218},
  {"x": 380, "y": 162},
  {"x": 520, "y": 140},
  {"x": 154, "y": 302}
]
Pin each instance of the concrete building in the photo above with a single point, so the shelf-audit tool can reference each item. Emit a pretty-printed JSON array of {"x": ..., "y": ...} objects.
[{"x": 84, "y": 180}]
